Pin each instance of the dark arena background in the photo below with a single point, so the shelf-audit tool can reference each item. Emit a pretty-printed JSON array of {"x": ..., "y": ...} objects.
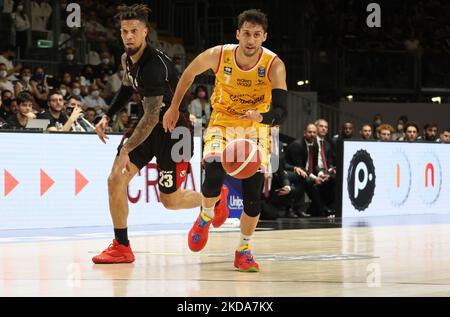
[{"x": 368, "y": 81}]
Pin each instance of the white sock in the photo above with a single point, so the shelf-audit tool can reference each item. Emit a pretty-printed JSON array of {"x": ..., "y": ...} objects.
[
  {"x": 244, "y": 241},
  {"x": 209, "y": 212}
]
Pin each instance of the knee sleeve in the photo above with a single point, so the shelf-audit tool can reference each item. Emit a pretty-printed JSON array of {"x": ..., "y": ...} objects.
[
  {"x": 214, "y": 178},
  {"x": 251, "y": 192}
]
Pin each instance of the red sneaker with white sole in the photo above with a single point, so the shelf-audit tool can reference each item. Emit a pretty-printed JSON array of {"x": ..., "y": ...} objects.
[{"x": 115, "y": 253}]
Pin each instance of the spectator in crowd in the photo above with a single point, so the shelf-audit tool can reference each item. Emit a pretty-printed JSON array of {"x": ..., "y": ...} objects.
[
  {"x": 5, "y": 83},
  {"x": 377, "y": 121},
  {"x": 412, "y": 43},
  {"x": 40, "y": 14},
  {"x": 58, "y": 119},
  {"x": 366, "y": 132},
  {"x": 5, "y": 106},
  {"x": 430, "y": 131},
  {"x": 66, "y": 79},
  {"x": 121, "y": 122},
  {"x": 106, "y": 66},
  {"x": 90, "y": 115},
  {"x": 346, "y": 132},
  {"x": 200, "y": 106},
  {"x": 96, "y": 32},
  {"x": 384, "y": 131},
  {"x": 76, "y": 91},
  {"x": 95, "y": 101},
  {"x": 39, "y": 87},
  {"x": 278, "y": 201},
  {"x": 69, "y": 64},
  {"x": 400, "y": 132},
  {"x": 79, "y": 124},
  {"x": 3, "y": 124},
  {"x": 301, "y": 159},
  {"x": 326, "y": 164},
  {"x": 115, "y": 80},
  {"x": 23, "y": 84},
  {"x": 22, "y": 25},
  {"x": 64, "y": 91},
  {"x": 7, "y": 55},
  {"x": 411, "y": 132},
  {"x": 25, "y": 113},
  {"x": 87, "y": 77},
  {"x": 445, "y": 136}
]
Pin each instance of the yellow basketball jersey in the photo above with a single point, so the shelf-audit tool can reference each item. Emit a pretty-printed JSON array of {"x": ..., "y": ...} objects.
[{"x": 237, "y": 90}]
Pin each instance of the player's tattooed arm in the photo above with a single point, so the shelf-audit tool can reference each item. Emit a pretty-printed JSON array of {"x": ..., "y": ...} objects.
[{"x": 152, "y": 108}]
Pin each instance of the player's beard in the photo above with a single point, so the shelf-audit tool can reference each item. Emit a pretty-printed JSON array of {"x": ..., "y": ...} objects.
[{"x": 132, "y": 50}]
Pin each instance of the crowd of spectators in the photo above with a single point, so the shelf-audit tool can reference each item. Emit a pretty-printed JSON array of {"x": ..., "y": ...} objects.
[{"x": 305, "y": 183}]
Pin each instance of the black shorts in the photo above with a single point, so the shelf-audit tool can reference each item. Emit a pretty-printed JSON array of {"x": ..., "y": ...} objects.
[{"x": 171, "y": 174}]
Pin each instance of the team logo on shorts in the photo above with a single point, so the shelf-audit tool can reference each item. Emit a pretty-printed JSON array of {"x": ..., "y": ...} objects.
[
  {"x": 183, "y": 173},
  {"x": 261, "y": 71},
  {"x": 227, "y": 70}
]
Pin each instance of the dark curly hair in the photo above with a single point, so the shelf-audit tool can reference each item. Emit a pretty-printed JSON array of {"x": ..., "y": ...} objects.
[{"x": 133, "y": 12}]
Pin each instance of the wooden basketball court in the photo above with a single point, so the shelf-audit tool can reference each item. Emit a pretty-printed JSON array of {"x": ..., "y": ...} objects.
[{"x": 405, "y": 260}]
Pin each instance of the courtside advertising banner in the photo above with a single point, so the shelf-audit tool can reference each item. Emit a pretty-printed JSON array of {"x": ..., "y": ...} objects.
[
  {"x": 395, "y": 178},
  {"x": 60, "y": 180}
]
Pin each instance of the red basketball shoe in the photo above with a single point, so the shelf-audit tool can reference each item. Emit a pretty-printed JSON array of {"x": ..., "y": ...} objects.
[
  {"x": 221, "y": 211},
  {"x": 198, "y": 235},
  {"x": 115, "y": 253},
  {"x": 244, "y": 262}
]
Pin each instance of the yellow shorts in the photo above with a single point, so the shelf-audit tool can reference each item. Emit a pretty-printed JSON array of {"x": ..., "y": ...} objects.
[{"x": 224, "y": 128}]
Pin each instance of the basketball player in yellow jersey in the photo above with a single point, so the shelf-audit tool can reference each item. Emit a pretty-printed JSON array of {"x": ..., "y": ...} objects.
[{"x": 250, "y": 91}]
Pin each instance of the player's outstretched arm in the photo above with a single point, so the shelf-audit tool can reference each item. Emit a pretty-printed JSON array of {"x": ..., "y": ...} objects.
[{"x": 209, "y": 59}]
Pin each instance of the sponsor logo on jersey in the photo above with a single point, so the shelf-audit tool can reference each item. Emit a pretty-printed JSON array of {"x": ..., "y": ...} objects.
[
  {"x": 244, "y": 82},
  {"x": 247, "y": 99},
  {"x": 227, "y": 70},
  {"x": 260, "y": 82},
  {"x": 261, "y": 71}
]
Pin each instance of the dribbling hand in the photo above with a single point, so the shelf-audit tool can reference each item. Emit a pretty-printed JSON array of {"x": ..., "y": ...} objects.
[
  {"x": 252, "y": 115},
  {"x": 100, "y": 129}
]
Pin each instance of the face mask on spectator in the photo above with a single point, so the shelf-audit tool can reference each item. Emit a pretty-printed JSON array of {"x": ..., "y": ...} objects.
[
  {"x": 7, "y": 102},
  {"x": 3, "y": 73},
  {"x": 105, "y": 61},
  {"x": 201, "y": 94},
  {"x": 95, "y": 94},
  {"x": 19, "y": 7},
  {"x": 70, "y": 57},
  {"x": 378, "y": 122},
  {"x": 40, "y": 75},
  {"x": 76, "y": 91},
  {"x": 400, "y": 127},
  {"x": 26, "y": 78},
  {"x": 63, "y": 92}
]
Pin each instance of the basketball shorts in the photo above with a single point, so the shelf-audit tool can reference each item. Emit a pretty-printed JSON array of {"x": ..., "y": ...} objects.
[
  {"x": 224, "y": 128},
  {"x": 171, "y": 171}
]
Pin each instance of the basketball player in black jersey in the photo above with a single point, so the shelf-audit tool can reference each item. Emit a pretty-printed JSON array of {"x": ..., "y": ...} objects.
[{"x": 151, "y": 73}]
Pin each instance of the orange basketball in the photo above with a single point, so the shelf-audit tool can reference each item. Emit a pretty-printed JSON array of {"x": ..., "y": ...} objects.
[{"x": 241, "y": 158}]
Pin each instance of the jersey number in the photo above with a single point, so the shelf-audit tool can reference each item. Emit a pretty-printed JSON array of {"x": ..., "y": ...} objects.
[{"x": 165, "y": 180}]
